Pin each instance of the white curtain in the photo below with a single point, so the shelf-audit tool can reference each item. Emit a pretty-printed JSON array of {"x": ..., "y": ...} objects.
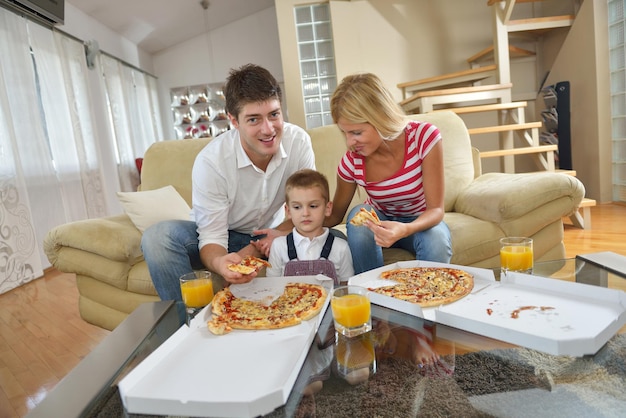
[
  {"x": 20, "y": 261},
  {"x": 48, "y": 161},
  {"x": 52, "y": 155},
  {"x": 134, "y": 113}
]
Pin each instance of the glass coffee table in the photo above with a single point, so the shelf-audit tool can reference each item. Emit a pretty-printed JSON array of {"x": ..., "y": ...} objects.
[{"x": 406, "y": 366}]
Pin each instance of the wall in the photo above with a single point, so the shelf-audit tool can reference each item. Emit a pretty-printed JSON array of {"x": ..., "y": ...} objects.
[
  {"x": 86, "y": 28},
  {"x": 399, "y": 40},
  {"x": 583, "y": 60},
  {"x": 208, "y": 58}
]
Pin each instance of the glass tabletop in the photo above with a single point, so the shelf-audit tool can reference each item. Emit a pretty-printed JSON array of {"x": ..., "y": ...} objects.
[{"x": 405, "y": 366}]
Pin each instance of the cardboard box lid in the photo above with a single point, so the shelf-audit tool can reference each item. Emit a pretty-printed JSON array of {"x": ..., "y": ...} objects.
[
  {"x": 240, "y": 374},
  {"x": 582, "y": 319},
  {"x": 553, "y": 316}
]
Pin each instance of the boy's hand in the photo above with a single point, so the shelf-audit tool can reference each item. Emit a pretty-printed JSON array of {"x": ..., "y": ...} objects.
[{"x": 264, "y": 243}]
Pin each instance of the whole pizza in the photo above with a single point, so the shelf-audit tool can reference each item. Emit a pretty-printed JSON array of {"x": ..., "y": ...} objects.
[
  {"x": 427, "y": 286},
  {"x": 299, "y": 302}
]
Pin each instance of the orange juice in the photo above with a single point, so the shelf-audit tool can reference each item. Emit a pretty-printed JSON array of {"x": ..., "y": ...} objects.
[
  {"x": 516, "y": 258},
  {"x": 197, "y": 293},
  {"x": 351, "y": 310},
  {"x": 354, "y": 353}
]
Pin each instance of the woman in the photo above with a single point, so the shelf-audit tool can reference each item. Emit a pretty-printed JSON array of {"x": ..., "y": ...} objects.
[{"x": 399, "y": 163}]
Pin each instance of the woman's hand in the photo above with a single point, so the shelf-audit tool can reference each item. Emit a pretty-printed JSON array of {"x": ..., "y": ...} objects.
[{"x": 388, "y": 232}]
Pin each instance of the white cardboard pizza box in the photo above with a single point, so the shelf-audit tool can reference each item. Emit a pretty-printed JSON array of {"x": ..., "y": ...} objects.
[
  {"x": 554, "y": 316},
  {"x": 240, "y": 374},
  {"x": 584, "y": 317},
  {"x": 370, "y": 279}
]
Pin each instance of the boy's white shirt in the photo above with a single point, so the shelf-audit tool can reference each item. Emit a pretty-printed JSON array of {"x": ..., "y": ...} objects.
[{"x": 307, "y": 249}]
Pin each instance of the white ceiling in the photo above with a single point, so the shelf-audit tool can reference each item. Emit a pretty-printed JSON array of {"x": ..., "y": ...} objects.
[{"x": 158, "y": 24}]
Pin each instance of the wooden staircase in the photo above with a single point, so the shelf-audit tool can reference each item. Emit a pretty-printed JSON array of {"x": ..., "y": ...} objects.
[{"x": 464, "y": 93}]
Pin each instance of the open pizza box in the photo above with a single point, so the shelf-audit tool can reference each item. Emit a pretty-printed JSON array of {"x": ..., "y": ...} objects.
[
  {"x": 240, "y": 374},
  {"x": 549, "y": 315}
]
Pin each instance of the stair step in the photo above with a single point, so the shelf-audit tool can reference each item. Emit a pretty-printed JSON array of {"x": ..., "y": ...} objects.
[
  {"x": 519, "y": 151},
  {"x": 455, "y": 79},
  {"x": 540, "y": 23},
  {"x": 426, "y": 100},
  {"x": 491, "y": 2},
  {"x": 504, "y": 128},
  {"x": 487, "y": 53},
  {"x": 484, "y": 108}
]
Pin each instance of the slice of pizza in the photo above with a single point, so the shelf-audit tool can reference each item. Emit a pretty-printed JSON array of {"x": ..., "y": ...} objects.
[
  {"x": 249, "y": 265},
  {"x": 364, "y": 215}
]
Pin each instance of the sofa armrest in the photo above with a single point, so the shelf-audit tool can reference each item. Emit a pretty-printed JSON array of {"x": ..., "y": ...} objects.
[
  {"x": 115, "y": 238},
  {"x": 503, "y": 198}
]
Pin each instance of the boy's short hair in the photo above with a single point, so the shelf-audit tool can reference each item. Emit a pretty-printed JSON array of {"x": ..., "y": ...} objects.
[
  {"x": 305, "y": 179},
  {"x": 249, "y": 84}
]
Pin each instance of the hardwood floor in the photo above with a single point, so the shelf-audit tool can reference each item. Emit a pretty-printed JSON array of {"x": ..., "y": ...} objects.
[{"x": 42, "y": 336}]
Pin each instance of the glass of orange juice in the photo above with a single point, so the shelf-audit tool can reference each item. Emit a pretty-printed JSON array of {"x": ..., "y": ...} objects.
[
  {"x": 516, "y": 254},
  {"x": 197, "y": 291},
  {"x": 352, "y": 312}
]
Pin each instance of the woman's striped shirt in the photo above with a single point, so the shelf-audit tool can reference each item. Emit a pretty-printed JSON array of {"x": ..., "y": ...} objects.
[{"x": 403, "y": 193}]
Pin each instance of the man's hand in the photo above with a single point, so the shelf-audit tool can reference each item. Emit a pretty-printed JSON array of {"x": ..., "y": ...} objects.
[
  {"x": 264, "y": 244},
  {"x": 221, "y": 266}
]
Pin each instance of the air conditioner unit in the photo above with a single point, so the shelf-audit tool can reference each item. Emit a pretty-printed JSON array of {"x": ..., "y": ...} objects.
[{"x": 49, "y": 12}]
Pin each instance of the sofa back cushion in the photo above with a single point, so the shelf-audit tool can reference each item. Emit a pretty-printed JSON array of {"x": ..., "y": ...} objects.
[
  {"x": 329, "y": 146},
  {"x": 170, "y": 162}
]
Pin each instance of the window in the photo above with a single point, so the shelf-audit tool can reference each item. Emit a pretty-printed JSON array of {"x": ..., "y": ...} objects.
[
  {"x": 317, "y": 62},
  {"x": 617, "y": 50}
]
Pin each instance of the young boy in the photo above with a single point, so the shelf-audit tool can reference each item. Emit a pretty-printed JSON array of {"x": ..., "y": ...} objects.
[{"x": 307, "y": 203}]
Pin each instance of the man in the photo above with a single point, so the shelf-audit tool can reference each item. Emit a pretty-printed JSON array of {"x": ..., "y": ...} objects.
[{"x": 238, "y": 188}]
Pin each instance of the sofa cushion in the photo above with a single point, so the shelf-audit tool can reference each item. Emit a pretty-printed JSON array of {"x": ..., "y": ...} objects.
[
  {"x": 170, "y": 162},
  {"x": 151, "y": 206}
]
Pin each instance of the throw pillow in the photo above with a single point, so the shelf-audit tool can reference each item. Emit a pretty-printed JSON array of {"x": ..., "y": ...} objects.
[{"x": 151, "y": 206}]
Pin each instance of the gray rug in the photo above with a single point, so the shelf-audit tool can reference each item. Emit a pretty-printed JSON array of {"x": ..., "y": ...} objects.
[{"x": 507, "y": 383}]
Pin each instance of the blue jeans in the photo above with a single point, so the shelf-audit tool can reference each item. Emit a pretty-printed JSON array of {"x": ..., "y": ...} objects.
[
  {"x": 170, "y": 249},
  {"x": 433, "y": 244}
]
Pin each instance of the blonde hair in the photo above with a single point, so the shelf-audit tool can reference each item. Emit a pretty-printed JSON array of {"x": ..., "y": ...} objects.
[
  {"x": 362, "y": 98},
  {"x": 307, "y": 179}
]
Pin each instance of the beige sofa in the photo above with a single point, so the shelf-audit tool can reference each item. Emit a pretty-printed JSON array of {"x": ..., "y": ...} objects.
[{"x": 113, "y": 279}]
